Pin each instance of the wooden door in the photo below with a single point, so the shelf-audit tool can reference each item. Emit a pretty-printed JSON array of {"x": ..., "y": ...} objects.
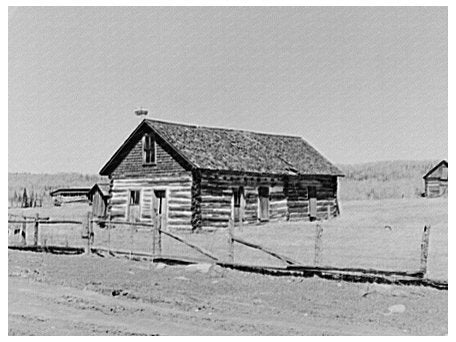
[
  {"x": 160, "y": 208},
  {"x": 263, "y": 196},
  {"x": 238, "y": 204},
  {"x": 312, "y": 192},
  {"x": 134, "y": 208}
]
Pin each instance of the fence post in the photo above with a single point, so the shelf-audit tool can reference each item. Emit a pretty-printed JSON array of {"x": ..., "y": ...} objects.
[
  {"x": 424, "y": 249},
  {"x": 91, "y": 233},
  {"x": 318, "y": 235},
  {"x": 35, "y": 232},
  {"x": 159, "y": 236},
  {"x": 154, "y": 236},
  {"x": 131, "y": 240},
  {"x": 23, "y": 232},
  {"x": 109, "y": 233},
  {"x": 230, "y": 240},
  {"x": 329, "y": 211},
  {"x": 88, "y": 232}
]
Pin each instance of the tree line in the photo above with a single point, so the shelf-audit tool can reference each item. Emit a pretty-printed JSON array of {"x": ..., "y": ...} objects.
[{"x": 26, "y": 199}]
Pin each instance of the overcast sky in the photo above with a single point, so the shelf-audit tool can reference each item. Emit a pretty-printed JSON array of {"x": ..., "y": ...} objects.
[{"x": 359, "y": 84}]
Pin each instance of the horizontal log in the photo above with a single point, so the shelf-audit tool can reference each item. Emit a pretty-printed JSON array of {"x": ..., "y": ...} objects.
[
  {"x": 179, "y": 200},
  {"x": 154, "y": 179},
  {"x": 184, "y": 224},
  {"x": 215, "y": 199},
  {"x": 216, "y": 210},
  {"x": 187, "y": 194},
  {"x": 179, "y": 214},
  {"x": 180, "y": 205},
  {"x": 115, "y": 201}
]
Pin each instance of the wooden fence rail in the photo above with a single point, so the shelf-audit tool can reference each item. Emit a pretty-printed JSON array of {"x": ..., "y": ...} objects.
[
  {"x": 267, "y": 251},
  {"x": 36, "y": 222},
  {"x": 199, "y": 249}
]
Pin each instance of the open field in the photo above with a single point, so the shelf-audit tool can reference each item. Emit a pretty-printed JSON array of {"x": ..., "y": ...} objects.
[
  {"x": 88, "y": 295},
  {"x": 357, "y": 238}
]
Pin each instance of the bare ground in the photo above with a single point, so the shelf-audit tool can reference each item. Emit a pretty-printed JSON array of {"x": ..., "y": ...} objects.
[{"x": 90, "y": 295}]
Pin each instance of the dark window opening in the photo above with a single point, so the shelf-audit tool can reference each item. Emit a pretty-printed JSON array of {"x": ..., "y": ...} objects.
[
  {"x": 134, "y": 197},
  {"x": 148, "y": 149},
  {"x": 263, "y": 191},
  {"x": 312, "y": 191},
  {"x": 237, "y": 193}
]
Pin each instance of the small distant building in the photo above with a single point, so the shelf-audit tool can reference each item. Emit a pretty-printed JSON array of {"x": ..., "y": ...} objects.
[
  {"x": 436, "y": 180},
  {"x": 69, "y": 195},
  {"x": 98, "y": 197}
]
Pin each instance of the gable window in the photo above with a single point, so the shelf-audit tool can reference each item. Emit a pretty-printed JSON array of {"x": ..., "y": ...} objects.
[{"x": 148, "y": 149}]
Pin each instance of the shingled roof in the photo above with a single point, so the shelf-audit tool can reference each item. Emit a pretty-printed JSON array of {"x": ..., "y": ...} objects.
[{"x": 237, "y": 150}]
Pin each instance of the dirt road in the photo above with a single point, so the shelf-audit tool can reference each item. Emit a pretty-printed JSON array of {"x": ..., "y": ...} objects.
[{"x": 80, "y": 295}]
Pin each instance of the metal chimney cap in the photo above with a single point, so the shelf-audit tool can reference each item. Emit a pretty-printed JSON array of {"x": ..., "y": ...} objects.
[{"x": 141, "y": 111}]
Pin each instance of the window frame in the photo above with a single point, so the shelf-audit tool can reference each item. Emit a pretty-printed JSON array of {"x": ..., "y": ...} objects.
[
  {"x": 150, "y": 149},
  {"x": 138, "y": 198}
]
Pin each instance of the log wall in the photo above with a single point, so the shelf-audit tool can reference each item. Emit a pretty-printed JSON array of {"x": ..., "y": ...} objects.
[
  {"x": 296, "y": 191},
  {"x": 436, "y": 187},
  {"x": 178, "y": 196},
  {"x": 217, "y": 192}
]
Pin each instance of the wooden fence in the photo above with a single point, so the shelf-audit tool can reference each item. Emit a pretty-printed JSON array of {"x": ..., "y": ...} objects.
[{"x": 159, "y": 230}]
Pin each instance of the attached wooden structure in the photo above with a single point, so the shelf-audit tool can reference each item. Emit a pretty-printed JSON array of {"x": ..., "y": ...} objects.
[
  {"x": 201, "y": 177},
  {"x": 69, "y": 195},
  {"x": 436, "y": 180},
  {"x": 98, "y": 198}
]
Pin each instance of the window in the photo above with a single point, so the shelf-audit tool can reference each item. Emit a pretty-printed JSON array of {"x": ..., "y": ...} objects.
[
  {"x": 263, "y": 191},
  {"x": 134, "y": 197},
  {"x": 148, "y": 149}
]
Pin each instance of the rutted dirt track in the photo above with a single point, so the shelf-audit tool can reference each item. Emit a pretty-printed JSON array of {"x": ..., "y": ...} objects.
[{"x": 81, "y": 295}]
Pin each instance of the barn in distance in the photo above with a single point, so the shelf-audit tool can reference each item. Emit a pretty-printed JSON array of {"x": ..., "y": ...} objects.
[
  {"x": 436, "y": 180},
  {"x": 200, "y": 177}
]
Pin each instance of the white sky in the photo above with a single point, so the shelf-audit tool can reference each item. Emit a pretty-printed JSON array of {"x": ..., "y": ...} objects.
[{"x": 359, "y": 84}]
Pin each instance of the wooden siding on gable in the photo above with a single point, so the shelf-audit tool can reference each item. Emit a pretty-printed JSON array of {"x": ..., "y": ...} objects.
[
  {"x": 132, "y": 164},
  {"x": 439, "y": 173}
]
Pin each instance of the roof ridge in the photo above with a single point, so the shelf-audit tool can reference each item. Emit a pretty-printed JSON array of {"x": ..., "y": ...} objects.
[{"x": 223, "y": 128}]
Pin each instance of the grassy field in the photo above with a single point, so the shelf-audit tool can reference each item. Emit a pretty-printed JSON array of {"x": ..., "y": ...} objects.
[{"x": 357, "y": 238}]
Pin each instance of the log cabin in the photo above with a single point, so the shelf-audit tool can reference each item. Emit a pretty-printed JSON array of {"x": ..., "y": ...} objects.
[
  {"x": 436, "y": 180},
  {"x": 199, "y": 177}
]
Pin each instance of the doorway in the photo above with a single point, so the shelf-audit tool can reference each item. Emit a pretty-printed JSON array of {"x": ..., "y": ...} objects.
[
  {"x": 159, "y": 207},
  {"x": 263, "y": 203},
  {"x": 312, "y": 194},
  {"x": 238, "y": 204},
  {"x": 134, "y": 207}
]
